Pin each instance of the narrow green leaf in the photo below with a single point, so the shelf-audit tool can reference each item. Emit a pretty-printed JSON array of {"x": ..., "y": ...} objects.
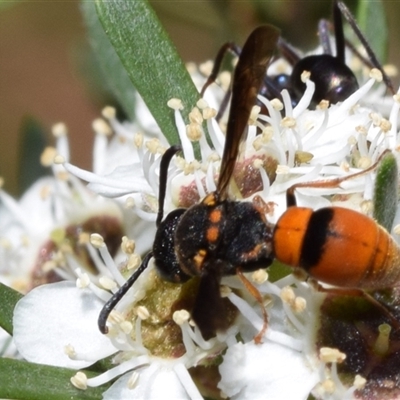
[
  {"x": 114, "y": 74},
  {"x": 372, "y": 21},
  {"x": 32, "y": 142},
  {"x": 277, "y": 271},
  {"x": 151, "y": 60},
  {"x": 7, "y": 3},
  {"x": 25, "y": 381},
  {"x": 8, "y": 299},
  {"x": 386, "y": 192}
]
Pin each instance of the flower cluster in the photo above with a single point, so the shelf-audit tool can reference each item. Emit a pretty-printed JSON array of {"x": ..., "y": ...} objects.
[{"x": 88, "y": 240}]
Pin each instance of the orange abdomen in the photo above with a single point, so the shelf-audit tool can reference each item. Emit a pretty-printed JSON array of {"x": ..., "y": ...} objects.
[{"x": 338, "y": 246}]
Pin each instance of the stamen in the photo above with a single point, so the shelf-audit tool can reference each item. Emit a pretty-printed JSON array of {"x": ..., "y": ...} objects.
[
  {"x": 103, "y": 131},
  {"x": 134, "y": 261},
  {"x": 195, "y": 116},
  {"x": 287, "y": 295},
  {"x": 97, "y": 241},
  {"x": 101, "y": 127},
  {"x": 138, "y": 140},
  {"x": 128, "y": 245},
  {"x": 255, "y": 111},
  {"x": 259, "y": 276},
  {"x": 126, "y": 327},
  {"x": 109, "y": 112},
  {"x": 305, "y": 100},
  {"x": 356, "y": 96},
  {"x": 385, "y": 125},
  {"x": 133, "y": 380},
  {"x": 47, "y": 156},
  {"x": 59, "y": 159},
  {"x": 216, "y": 136},
  {"x": 299, "y": 304},
  {"x": 69, "y": 350},
  {"x": 277, "y": 104},
  {"x": 79, "y": 380},
  {"x": 119, "y": 370},
  {"x": 194, "y": 132},
  {"x": 288, "y": 122},
  {"x": 202, "y": 104},
  {"x": 187, "y": 381},
  {"x": 107, "y": 283},
  {"x": 83, "y": 281},
  {"x": 359, "y": 382},
  {"x": 364, "y": 162},
  {"x": 209, "y": 113},
  {"x": 181, "y": 318},
  {"x": 187, "y": 148},
  {"x": 329, "y": 355},
  {"x": 61, "y": 134},
  {"x": 323, "y": 105},
  {"x": 328, "y": 386},
  {"x": 376, "y": 74},
  {"x": 142, "y": 312}
]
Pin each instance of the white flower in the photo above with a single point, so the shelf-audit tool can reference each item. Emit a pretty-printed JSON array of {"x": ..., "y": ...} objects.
[
  {"x": 306, "y": 145},
  {"x": 66, "y": 314},
  {"x": 245, "y": 374}
]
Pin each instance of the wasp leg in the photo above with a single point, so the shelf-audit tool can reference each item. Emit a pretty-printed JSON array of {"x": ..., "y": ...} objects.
[
  {"x": 257, "y": 295},
  {"x": 354, "y": 292}
]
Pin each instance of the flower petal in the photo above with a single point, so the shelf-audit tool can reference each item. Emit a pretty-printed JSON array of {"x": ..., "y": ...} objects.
[
  {"x": 271, "y": 369},
  {"x": 155, "y": 382},
  {"x": 53, "y": 316}
]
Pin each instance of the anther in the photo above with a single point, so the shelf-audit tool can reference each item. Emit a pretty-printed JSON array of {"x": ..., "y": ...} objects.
[
  {"x": 175, "y": 104},
  {"x": 59, "y": 129},
  {"x": 101, "y": 127},
  {"x": 109, "y": 112},
  {"x": 97, "y": 240},
  {"x": 329, "y": 355},
  {"x": 376, "y": 74},
  {"x": 181, "y": 316},
  {"x": 79, "y": 380}
]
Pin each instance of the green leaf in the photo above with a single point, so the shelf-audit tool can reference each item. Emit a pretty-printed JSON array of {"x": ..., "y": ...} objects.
[
  {"x": 277, "y": 271},
  {"x": 8, "y": 299},
  {"x": 113, "y": 72},
  {"x": 372, "y": 21},
  {"x": 386, "y": 192},
  {"x": 26, "y": 381},
  {"x": 151, "y": 60},
  {"x": 7, "y": 3},
  {"x": 33, "y": 140}
]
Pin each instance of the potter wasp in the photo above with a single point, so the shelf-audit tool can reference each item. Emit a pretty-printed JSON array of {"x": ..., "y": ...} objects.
[{"x": 218, "y": 236}]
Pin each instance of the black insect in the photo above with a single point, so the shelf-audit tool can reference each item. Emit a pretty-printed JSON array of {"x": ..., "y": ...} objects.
[
  {"x": 218, "y": 236},
  {"x": 334, "y": 80}
]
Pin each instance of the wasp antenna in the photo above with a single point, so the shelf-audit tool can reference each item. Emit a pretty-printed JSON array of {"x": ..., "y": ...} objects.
[
  {"x": 229, "y": 46},
  {"x": 339, "y": 34},
  {"x": 116, "y": 297},
  {"x": 165, "y": 161},
  {"x": 350, "y": 19}
]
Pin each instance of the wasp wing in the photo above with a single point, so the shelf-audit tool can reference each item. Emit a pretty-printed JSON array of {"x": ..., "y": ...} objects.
[{"x": 248, "y": 77}]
